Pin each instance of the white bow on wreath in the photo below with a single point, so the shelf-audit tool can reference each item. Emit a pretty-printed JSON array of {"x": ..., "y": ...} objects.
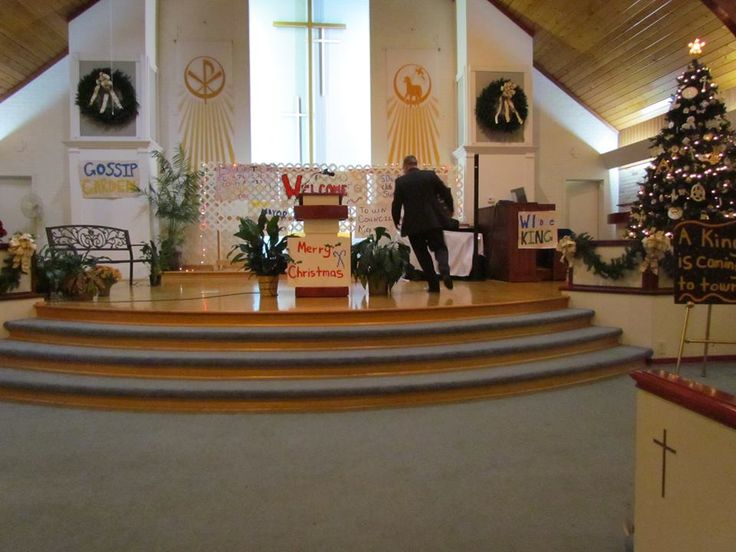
[
  {"x": 104, "y": 83},
  {"x": 506, "y": 103}
]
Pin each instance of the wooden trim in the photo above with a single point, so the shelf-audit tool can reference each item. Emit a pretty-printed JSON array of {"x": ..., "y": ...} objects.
[
  {"x": 722, "y": 13},
  {"x": 618, "y": 218},
  {"x": 612, "y": 243},
  {"x": 10, "y": 91},
  {"x": 15, "y": 296},
  {"x": 693, "y": 359},
  {"x": 315, "y": 212},
  {"x": 699, "y": 398},
  {"x": 335, "y": 291},
  {"x": 616, "y": 289}
]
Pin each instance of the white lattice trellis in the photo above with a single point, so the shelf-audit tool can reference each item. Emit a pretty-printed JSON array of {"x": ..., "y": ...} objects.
[{"x": 232, "y": 191}]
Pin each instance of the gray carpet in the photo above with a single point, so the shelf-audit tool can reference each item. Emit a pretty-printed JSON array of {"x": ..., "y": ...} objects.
[{"x": 545, "y": 472}]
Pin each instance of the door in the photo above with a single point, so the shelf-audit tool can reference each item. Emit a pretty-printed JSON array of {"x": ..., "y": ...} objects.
[{"x": 583, "y": 206}]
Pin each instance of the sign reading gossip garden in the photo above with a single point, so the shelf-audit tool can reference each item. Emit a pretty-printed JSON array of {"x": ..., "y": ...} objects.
[{"x": 705, "y": 270}]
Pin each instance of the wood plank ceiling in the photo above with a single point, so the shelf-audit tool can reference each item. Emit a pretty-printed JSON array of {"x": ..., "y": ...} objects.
[
  {"x": 620, "y": 56},
  {"x": 33, "y": 36},
  {"x": 615, "y": 56}
]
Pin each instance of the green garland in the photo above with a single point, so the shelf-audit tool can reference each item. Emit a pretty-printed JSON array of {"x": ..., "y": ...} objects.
[
  {"x": 487, "y": 105},
  {"x": 111, "y": 115},
  {"x": 616, "y": 268}
]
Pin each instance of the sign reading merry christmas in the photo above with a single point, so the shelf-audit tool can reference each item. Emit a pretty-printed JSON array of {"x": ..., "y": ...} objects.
[{"x": 319, "y": 261}]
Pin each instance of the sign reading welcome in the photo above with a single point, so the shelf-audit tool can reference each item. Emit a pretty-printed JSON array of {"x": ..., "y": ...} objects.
[
  {"x": 537, "y": 230},
  {"x": 109, "y": 179},
  {"x": 705, "y": 270},
  {"x": 319, "y": 261}
]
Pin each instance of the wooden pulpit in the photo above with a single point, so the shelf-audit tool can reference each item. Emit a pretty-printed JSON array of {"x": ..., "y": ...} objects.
[
  {"x": 500, "y": 227},
  {"x": 322, "y": 258}
]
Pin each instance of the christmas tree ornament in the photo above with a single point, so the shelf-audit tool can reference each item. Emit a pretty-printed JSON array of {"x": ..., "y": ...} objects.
[{"x": 697, "y": 193}]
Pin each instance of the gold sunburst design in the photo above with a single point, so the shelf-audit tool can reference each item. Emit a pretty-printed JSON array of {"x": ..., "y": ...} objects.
[
  {"x": 206, "y": 112},
  {"x": 413, "y": 114}
]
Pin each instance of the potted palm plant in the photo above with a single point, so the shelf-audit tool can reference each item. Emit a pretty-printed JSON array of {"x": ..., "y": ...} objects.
[
  {"x": 378, "y": 262},
  {"x": 262, "y": 251},
  {"x": 150, "y": 256},
  {"x": 174, "y": 196}
]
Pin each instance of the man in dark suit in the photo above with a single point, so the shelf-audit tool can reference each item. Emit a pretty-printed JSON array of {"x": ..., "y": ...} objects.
[{"x": 417, "y": 193}]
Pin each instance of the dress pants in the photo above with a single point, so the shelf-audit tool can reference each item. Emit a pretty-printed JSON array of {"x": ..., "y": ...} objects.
[{"x": 433, "y": 240}]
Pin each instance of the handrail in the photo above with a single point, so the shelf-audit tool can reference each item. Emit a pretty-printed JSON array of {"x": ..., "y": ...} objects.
[{"x": 702, "y": 399}]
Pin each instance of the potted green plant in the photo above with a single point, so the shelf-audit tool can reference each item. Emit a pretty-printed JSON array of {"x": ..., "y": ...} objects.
[
  {"x": 150, "y": 256},
  {"x": 66, "y": 272},
  {"x": 174, "y": 195},
  {"x": 262, "y": 251},
  {"x": 378, "y": 262}
]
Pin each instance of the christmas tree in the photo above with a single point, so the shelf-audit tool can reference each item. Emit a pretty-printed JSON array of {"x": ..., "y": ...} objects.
[{"x": 693, "y": 175}]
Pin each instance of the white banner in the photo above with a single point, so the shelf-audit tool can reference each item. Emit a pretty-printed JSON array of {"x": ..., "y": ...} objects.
[
  {"x": 413, "y": 111},
  {"x": 203, "y": 117},
  {"x": 103, "y": 179}
]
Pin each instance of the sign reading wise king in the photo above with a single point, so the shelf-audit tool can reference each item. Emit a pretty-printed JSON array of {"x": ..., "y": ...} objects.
[
  {"x": 537, "y": 230},
  {"x": 705, "y": 270}
]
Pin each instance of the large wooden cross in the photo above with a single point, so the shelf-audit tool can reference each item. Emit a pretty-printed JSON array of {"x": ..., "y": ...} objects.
[
  {"x": 310, "y": 25},
  {"x": 665, "y": 450}
]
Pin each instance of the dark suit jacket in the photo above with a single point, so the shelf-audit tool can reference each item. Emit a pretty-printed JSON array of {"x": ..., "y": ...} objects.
[{"x": 417, "y": 192}]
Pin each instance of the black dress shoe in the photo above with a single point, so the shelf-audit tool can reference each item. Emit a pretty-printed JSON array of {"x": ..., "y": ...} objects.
[
  {"x": 434, "y": 287},
  {"x": 447, "y": 280}
]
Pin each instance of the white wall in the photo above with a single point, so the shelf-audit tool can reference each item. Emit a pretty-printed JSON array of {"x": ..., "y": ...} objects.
[
  {"x": 110, "y": 28},
  {"x": 494, "y": 40},
  {"x": 570, "y": 141},
  {"x": 204, "y": 20},
  {"x": 33, "y": 125},
  {"x": 397, "y": 24}
]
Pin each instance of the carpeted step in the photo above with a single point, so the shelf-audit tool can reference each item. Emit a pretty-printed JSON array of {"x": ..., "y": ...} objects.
[
  {"x": 506, "y": 380},
  {"x": 67, "y": 356},
  {"x": 261, "y": 337}
]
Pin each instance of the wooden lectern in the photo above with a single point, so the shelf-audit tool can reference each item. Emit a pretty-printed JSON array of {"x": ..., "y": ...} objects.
[{"x": 500, "y": 227}]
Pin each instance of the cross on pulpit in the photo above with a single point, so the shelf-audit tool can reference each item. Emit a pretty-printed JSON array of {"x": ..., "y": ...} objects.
[
  {"x": 310, "y": 25},
  {"x": 665, "y": 449}
]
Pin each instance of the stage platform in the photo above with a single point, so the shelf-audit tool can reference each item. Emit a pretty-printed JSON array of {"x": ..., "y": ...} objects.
[
  {"x": 233, "y": 297},
  {"x": 209, "y": 343}
]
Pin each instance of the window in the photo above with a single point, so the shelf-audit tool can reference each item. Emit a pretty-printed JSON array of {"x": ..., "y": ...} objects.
[{"x": 310, "y": 81}]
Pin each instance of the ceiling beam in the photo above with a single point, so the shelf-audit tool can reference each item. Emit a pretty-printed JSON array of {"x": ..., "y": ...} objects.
[{"x": 725, "y": 10}]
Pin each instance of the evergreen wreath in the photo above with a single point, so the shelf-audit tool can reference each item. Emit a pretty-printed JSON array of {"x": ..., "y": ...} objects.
[
  {"x": 502, "y": 106},
  {"x": 111, "y": 102}
]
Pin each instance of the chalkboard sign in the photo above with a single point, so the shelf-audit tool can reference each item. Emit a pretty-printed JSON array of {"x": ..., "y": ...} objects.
[{"x": 705, "y": 262}]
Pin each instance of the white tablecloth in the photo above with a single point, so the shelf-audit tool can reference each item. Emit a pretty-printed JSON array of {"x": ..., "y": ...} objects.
[{"x": 460, "y": 249}]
